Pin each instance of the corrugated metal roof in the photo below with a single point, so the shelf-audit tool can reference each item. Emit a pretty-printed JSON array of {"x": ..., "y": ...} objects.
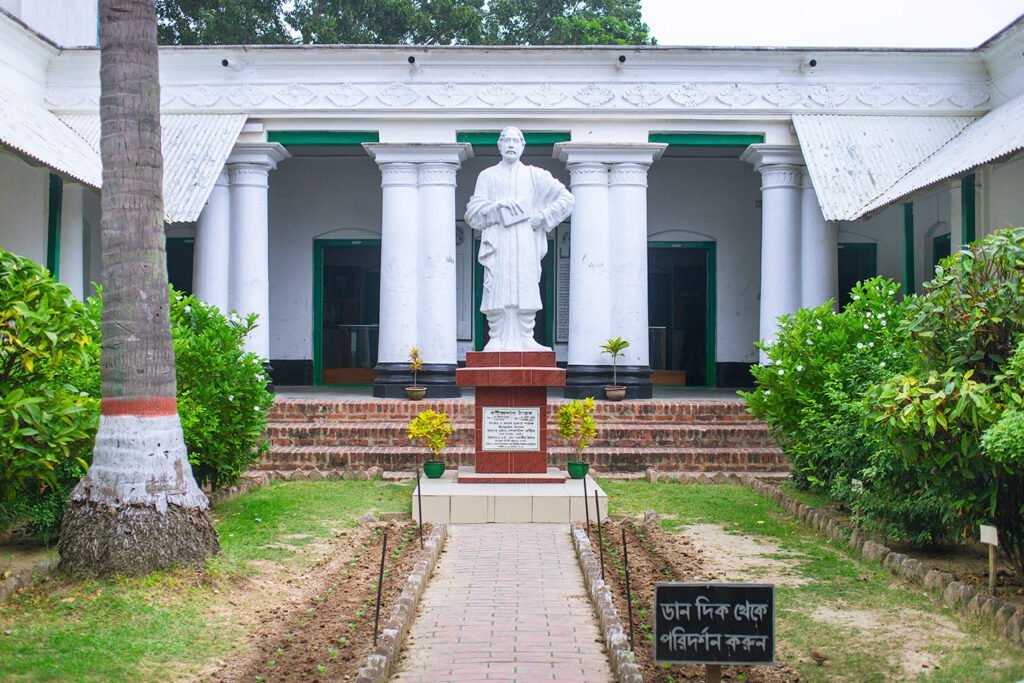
[
  {"x": 195, "y": 147},
  {"x": 34, "y": 132},
  {"x": 998, "y": 133},
  {"x": 854, "y": 159}
]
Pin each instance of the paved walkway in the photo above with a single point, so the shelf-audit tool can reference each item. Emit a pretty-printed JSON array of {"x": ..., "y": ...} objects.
[{"x": 506, "y": 603}]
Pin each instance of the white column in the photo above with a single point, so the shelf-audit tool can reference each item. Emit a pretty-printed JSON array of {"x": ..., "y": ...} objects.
[
  {"x": 437, "y": 328},
  {"x": 608, "y": 267},
  {"x": 72, "y": 226},
  {"x": 210, "y": 271},
  {"x": 399, "y": 286},
  {"x": 628, "y": 211},
  {"x": 417, "y": 254},
  {"x": 590, "y": 269},
  {"x": 249, "y": 166},
  {"x": 780, "y": 169},
  {"x": 819, "y": 251}
]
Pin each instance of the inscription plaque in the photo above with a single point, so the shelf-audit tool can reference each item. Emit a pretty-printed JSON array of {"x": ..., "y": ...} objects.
[{"x": 511, "y": 429}]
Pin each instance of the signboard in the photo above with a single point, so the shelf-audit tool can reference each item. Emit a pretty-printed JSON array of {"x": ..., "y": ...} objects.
[
  {"x": 562, "y": 286},
  {"x": 989, "y": 534},
  {"x": 511, "y": 429},
  {"x": 714, "y": 623}
]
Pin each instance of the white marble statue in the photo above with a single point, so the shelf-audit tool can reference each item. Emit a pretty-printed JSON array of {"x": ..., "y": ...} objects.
[{"x": 514, "y": 206}]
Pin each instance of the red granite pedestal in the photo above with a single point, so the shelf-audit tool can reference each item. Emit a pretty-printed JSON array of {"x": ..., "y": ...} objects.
[{"x": 511, "y": 415}]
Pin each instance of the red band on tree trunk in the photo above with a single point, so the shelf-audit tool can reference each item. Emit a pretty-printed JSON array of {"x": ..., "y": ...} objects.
[{"x": 144, "y": 406}]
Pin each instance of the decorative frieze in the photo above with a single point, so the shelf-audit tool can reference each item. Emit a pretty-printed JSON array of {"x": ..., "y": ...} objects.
[{"x": 800, "y": 97}]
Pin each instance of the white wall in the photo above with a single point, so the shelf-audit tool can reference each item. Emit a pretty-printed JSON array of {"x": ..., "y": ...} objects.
[
  {"x": 715, "y": 200},
  {"x": 313, "y": 198},
  {"x": 23, "y": 207},
  {"x": 1005, "y": 198},
  {"x": 69, "y": 23}
]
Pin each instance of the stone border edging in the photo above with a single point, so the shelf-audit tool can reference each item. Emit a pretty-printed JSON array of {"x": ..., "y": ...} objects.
[
  {"x": 1006, "y": 619},
  {"x": 380, "y": 664},
  {"x": 622, "y": 659}
]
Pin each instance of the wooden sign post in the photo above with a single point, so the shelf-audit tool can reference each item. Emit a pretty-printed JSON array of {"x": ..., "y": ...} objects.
[
  {"x": 714, "y": 624},
  {"x": 990, "y": 537}
]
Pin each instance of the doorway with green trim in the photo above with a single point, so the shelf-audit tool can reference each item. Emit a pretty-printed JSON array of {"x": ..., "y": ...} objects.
[
  {"x": 543, "y": 331},
  {"x": 346, "y": 311},
  {"x": 681, "y": 285},
  {"x": 857, "y": 261}
]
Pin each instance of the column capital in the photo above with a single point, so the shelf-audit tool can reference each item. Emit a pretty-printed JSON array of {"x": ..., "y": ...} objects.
[
  {"x": 645, "y": 153},
  {"x": 437, "y": 173},
  {"x": 588, "y": 173},
  {"x": 629, "y": 174},
  {"x": 256, "y": 154},
  {"x": 398, "y": 173},
  {"x": 765, "y": 155},
  {"x": 417, "y": 153}
]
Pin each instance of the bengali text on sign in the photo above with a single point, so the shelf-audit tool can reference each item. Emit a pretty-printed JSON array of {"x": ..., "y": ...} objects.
[{"x": 511, "y": 429}]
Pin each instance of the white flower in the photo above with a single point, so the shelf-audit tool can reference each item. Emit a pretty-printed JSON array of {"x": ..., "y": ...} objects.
[
  {"x": 256, "y": 408},
  {"x": 767, "y": 392},
  {"x": 855, "y": 297},
  {"x": 799, "y": 368},
  {"x": 860, "y": 345},
  {"x": 781, "y": 371},
  {"x": 809, "y": 342},
  {"x": 871, "y": 344},
  {"x": 883, "y": 324},
  {"x": 866, "y": 326},
  {"x": 868, "y": 314},
  {"x": 882, "y": 364},
  {"x": 881, "y": 315},
  {"x": 231, "y": 398}
]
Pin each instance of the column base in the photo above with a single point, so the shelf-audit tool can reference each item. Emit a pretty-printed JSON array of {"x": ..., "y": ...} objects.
[
  {"x": 590, "y": 380},
  {"x": 438, "y": 378}
]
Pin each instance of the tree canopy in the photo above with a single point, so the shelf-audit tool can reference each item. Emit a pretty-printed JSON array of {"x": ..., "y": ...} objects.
[{"x": 410, "y": 22}]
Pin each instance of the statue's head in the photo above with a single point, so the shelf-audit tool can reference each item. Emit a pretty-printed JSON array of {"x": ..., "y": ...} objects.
[{"x": 511, "y": 143}]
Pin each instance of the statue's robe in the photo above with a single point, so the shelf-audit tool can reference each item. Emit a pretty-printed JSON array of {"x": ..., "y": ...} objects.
[{"x": 511, "y": 252}]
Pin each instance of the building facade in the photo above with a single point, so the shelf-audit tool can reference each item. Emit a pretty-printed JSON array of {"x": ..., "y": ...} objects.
[{"x": 324, "y": 188}]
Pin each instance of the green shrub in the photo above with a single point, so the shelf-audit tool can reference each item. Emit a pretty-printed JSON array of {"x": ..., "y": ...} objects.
[
  {"x": 811, "y": 396},
  {"x": 967, "y": 326},
  {"x": 43, "y": 424},
  {"x": 222, "y": 389}
]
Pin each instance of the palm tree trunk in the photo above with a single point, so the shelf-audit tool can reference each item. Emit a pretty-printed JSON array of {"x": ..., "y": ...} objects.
[{"x": 138, "y": 508}]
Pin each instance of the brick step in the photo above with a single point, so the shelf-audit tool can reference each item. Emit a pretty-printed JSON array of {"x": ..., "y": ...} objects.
[
  {"x": 605, "y": 458},
  {"x": 392, "y": 410},
  {"x": 329, "y": 433}
]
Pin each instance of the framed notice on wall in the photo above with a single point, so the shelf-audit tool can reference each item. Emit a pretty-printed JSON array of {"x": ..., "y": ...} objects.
[{"x": 562, "y": 284}]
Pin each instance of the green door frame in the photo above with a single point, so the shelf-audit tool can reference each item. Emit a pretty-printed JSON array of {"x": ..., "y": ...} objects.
[
  {"x": 549, "y": 296},
  {"x": 711, "y": 304},
  {"x": 318, "y": 301}
]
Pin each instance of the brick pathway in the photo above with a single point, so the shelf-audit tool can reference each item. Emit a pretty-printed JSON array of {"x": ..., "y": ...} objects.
[{"x": 506, "y": 603}]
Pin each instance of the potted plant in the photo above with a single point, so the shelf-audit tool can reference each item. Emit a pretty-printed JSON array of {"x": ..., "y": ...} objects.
[
  {"x": 415, "y": 392},
  {"x": 431, "y": 429},
  {"x": 615, "y": 347},
  {"x": 577, "y": 425}
]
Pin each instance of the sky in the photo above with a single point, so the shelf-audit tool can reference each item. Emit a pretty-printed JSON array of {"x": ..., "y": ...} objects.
[{"x": 829, "y": 23}]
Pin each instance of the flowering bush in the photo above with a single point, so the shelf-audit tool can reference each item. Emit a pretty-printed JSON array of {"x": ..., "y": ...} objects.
[
  {"x": 966, "y": 380},
  {"x": 811, "y": 394}
]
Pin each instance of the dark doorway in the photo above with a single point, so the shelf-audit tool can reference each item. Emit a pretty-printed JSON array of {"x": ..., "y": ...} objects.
[
  {"x": 346, "y": 310},
  {"x": 858, "y": 261},
  {"x": 544, "y": 328},
  {"x": 180, "y": 257},
  {"x": 941, "y": 248},
  {"x": 681, "y": 294}
]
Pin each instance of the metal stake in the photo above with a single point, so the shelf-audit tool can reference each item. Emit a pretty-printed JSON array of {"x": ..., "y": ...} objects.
[
  {"x": 600, "y": 542},
  {"x": 419, "y": 498},
  {"x": 629, "y": 598},
  {"x": 586, "y": 504},
  {"x": 380, "y": 584}
]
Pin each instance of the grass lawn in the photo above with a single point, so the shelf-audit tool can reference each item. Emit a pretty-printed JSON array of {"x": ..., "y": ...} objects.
[
  {"x": 171, "y": 624},
  {"x": 868, "y": 625}
]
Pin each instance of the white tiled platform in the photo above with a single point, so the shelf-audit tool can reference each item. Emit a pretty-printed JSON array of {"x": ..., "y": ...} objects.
[{"x": 445, "y": 500}]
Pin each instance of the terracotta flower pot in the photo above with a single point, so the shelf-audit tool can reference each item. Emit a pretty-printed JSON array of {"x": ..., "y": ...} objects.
[
  {"x": 615, "y": 393},
  {"x": 433, "y": 469},
  {"x": 577, "y": 470},
  {"x": 415, "y": 393}
]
